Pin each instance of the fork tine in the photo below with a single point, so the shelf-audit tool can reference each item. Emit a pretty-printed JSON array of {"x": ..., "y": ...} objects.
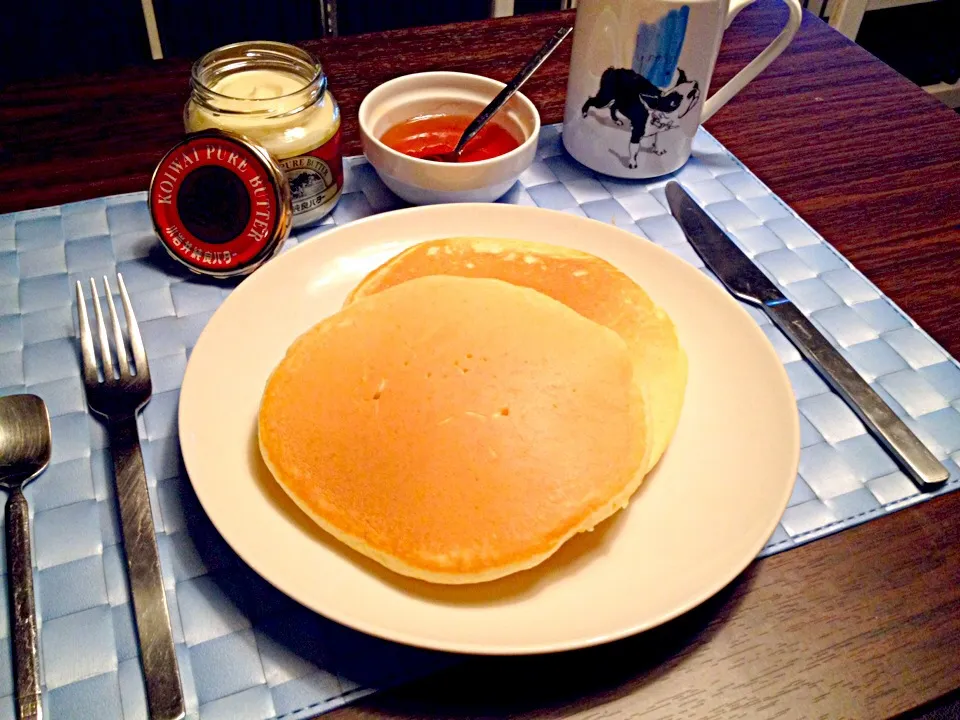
[
  {"x": 86, "y": 341},
  {"x": 136, "y": 342},
  {"x": 105, "y": 355},
  {"x": 117, "y": 332}
]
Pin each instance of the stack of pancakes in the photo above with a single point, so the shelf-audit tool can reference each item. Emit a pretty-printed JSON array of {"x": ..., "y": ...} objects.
[{"x": 474, "y": 404}]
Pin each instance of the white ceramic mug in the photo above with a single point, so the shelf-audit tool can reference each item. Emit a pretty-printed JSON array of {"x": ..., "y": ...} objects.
[{"x": 639, "y": 75}]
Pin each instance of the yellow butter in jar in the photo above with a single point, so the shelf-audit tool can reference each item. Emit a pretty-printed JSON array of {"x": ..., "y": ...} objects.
[{"x": 276, "y": 95}]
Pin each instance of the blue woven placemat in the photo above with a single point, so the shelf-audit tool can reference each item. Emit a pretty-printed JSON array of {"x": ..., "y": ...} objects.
[{"x": 246, "y": 651}]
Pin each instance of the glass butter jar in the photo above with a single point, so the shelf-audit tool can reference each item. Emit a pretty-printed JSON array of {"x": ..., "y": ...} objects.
[{"x": 275, "y": 95}]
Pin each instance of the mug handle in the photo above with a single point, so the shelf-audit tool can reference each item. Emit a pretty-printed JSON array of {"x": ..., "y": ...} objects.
[{"x": 722, "y": 96}]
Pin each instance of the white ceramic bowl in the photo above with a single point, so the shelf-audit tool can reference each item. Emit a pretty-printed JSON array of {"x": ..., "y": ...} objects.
[{"x": 424, "y": 181}]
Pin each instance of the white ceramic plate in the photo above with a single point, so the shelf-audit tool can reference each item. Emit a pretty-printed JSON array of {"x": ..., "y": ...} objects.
[{"x": 698, "y": 520}]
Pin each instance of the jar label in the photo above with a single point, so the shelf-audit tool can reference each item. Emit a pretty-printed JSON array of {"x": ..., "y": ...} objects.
[
  {"x": 315, "y": 178},
  {"x": 215, "y": 203}
]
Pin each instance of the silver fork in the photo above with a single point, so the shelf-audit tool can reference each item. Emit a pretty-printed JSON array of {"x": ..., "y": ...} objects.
[{"x": 117, "y": 399}]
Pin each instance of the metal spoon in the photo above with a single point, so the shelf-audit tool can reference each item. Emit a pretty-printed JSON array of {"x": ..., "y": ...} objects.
[
  {"x": 24, "y": 453},
  {"x": 501, "y": 99}
]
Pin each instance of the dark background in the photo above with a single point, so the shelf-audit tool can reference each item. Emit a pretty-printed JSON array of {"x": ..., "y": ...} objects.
[{"x": 62, "y": 37}]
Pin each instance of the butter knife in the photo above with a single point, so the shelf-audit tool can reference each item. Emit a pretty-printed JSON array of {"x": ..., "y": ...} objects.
[{"x": 747, "y": 282}]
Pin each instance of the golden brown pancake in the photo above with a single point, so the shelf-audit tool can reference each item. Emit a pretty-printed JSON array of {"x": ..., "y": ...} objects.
[
  {"x": 591, "y": 286},
  {"x": 455, "y": 430}
]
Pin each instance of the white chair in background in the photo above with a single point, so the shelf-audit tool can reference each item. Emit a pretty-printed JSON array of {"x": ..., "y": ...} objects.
[{"x": 153, "y": 32}]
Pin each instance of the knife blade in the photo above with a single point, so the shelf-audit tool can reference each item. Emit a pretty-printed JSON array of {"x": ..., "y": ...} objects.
[{"x": 744, "y": 280}]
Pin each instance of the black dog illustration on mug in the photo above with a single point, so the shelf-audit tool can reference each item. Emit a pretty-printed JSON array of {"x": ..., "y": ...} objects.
[{"x": 649, "y": 109}]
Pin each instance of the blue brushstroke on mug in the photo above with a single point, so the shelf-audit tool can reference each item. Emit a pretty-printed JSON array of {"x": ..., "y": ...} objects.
[{"x": 658, "y": 47}]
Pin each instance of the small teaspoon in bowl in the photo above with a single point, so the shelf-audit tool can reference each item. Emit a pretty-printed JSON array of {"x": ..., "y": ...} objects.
[{"x": 502, "y": 97}]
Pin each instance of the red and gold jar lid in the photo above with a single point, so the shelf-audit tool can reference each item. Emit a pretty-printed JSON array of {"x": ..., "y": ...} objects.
[{"x": 220, "y": 203}]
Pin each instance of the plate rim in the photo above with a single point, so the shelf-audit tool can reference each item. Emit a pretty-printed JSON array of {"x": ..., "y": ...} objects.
[{"x": 382, "y": 631}]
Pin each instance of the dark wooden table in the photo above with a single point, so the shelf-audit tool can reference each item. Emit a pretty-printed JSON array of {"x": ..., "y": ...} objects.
[{"x": 865, "y": 623}]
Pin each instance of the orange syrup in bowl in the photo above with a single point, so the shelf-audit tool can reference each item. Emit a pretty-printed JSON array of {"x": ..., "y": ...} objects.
[{"x": 437, "y": 134}]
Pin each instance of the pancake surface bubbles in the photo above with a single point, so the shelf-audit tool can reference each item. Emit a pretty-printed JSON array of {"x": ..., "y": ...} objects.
[
  {"x": 588, "y": 284},
  {"x": 453, "y": 429}
]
